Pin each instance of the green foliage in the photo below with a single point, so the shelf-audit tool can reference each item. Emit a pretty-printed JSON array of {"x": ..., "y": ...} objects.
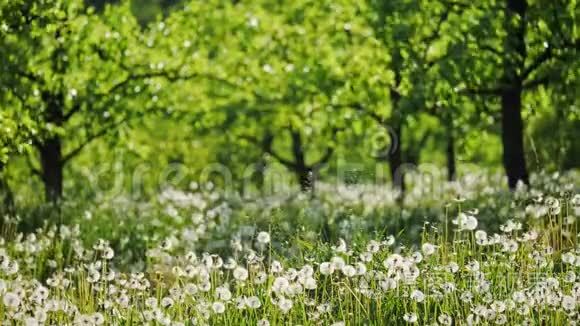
[{"x": 247, "y": 82}]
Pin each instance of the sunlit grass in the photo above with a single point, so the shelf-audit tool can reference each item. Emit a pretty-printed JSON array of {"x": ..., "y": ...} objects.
[{"x": 197, "y": 269}]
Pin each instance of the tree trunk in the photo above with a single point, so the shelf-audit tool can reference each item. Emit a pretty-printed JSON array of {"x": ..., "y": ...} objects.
[
  {"x": 305, "y": 179},
  {"x": 52, "y": 168},
  {"x": 304, "y": 173},
  {"x": 6, "y": 193},
  {"x": 512, "y": 126},
  {"x": 450, "y": 154},
  {"x": 396, "y": 162},
  {"x": 396, "y": 151},
  {"x": 50, "y": 148},
  {"x": 512, "y": 137}
]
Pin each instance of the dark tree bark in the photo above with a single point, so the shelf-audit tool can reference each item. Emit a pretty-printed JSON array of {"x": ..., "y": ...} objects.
[
  {"x": 512, "y": 125},
  {"x": 396, "y": 162},
  {"x": 304, "y": 173},
  {"x": 305, "y": 179},
  {"x": 50, "y": 149},
  {"x": 6, "y": 193},
  {"x": 450, "y": 154},
  {"x": 514, "y": 160},
  {"x": 52, "y": 168},
  {"x": 395, "y": 156},
  {"x": 261, "y": 164}
]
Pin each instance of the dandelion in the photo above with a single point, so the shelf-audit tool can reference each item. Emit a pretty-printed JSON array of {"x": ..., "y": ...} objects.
[
  {"x": 310, "y": 283},
  {"x": 410, "y": 318},
  {"x": 240, "y": 274},
  {"x": 568, "y": 258},
  {"x": 223, "y": 293},
  {"x": 452, "y": 267},
  {"x": 373, "y": 246},
  {"x": 445, "y": 319},
  {"x": 218, "y": 307},
  {"x": 280, "y": 284},
  {"x": 341, "y": 247},
  {"x": 465, "y": 222},
  {"x": 263, "y": 322},
  {"x": 167, "y": 302},
  {"x": 253, "y": 302},
  {"x": 276, "y": 267},
  {"x": 348, "y": 270},
  {"x": 108, "y": 254},
  {"x": 263, "y": 238},
  {"x": 568, "y": 302},
  {"x": 418, "y": 296},
  {"x": 326, "y": 268},
  {"x": 417, "y": 257},
  {"x": 501, "y": 319},
  {"x": 285, "y": 304},
  {"x": 428, "y": 249},
  {"x": 11, "y": 300}
]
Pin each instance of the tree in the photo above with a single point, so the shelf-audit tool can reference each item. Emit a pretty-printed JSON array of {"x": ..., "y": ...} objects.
[
  {"x": 299, "y": 62},
  {"x": 410, "y": 33},
  {"x": 531, "y": 44},
  {"x": 84, "y": 76}
]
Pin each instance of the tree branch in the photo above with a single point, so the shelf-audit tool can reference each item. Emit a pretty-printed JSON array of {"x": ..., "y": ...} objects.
[
  {"x": 105, "y": 130},
  {"x": 544, "y": 57},
  {"x": 267, "y": 148}
]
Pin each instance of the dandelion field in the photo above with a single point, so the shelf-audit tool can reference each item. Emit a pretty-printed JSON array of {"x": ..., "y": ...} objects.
[
  {"x": 304, "y": 162},
  {"x": 454, "y": 273}
]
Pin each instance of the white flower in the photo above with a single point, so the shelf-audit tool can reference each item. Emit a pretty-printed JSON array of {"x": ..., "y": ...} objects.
[
  {"x": 510, "y": 246},
  {"x": 280, "y": 284},
  {"x": 260, "y": 278},
  {"x": 428, "y": 249},
  {"x": 472, "y": 266},
  {"x": 417, "y": 257},
  {"x": 326, "y": 268},
  {"x": 361, "y": 269},
  {"x": 452, "y": 267},
  {"x": 341, "y": 247},
  {"x": 223, "y": 293},
  {"x": 445, "y": 319},
  {"x": 348, "y": 270},
  {"x": 418, "y": 295},
  {"x": 253, "y": 22},
  {"x": 310, "y": 283},
  {"x": 218, "y": 307},
  {"x": 263, "y": 237},
  {"x": 151, "y": 302},
  {"x": 240, "y": 273},
  {"x": 167, "y": 302},
  {"x": 285, "y": 304},
  {"x": 568, "y": 302},
  {"x": 410, "y": 318},
  {"x": 98, "y": 318},
  {"x": 276, "y": 267},
  {"x": 373, "y": 246},
  {"x": 568, "y": 258},
  {"x": 465, "y": 222},
  {"x": 480, "y": 235},
  {"x": 500, "y": 319},
  {"x": 263, "y": 322},
  {"x": 11, "y": 300},
  {"x": 337, "y": 262},
  {"x": 253, "y": 302},
  {"x": 108, "y": 253}
]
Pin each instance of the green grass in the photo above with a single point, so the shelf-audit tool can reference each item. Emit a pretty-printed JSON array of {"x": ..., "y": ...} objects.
[{"x": 327, "y": 261}]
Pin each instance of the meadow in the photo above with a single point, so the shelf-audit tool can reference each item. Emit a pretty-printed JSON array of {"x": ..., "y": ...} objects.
[
  {"x": 304, "y": 162},
  {"x": 197, "y": 257}
]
